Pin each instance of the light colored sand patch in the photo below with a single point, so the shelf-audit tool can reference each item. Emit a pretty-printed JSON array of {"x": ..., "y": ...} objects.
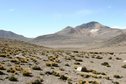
[{"x": 94, "y": 30}]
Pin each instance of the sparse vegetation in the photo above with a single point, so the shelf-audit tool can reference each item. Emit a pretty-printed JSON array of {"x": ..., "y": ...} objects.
[
  {"x": 99, "y": 57},
  {"x": 15, "y": 60},
  {"x": 13, "y": 78},
  {"x": 11, "y": 70},
  {"x": 2, "y": 73},
  {"x": 27, "y": 72},
  {"x": 105, "y": 64},
  {"x": 36, "y": 68},
  {"x": 52, "y": 64},
  {"x": 85, "y": 75},
  {"x": 110, "y": 58},
  {"x": 37, "y": 80},
  {"x": 63, "y": 77},
  {"x": 118, "y": 58},
  {"x": 84, "y": 69},
  {"x": 26, "y": 61},
  {"x": 116, "y": 83},
  {"x": 2, "y": 67},
  {"x": 124, "y": 66},
  {"x": 3, "y": 55},
  {"x": 117, "y": 76}
]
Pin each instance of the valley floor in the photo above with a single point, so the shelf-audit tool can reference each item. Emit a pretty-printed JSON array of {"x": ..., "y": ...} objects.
[{"x": 21, "y": 64}]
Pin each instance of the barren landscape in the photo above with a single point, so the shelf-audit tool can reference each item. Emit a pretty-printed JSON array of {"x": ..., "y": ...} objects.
[
  {"x": 25, "y": 63},
  {"x": 62, "y": 41},
  {"x": 88, "y": 54}
]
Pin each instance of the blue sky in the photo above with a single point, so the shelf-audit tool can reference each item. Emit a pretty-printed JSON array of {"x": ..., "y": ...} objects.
[{"x": 32, "y": 18}]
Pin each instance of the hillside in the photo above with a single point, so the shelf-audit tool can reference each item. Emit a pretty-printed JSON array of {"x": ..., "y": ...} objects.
[{"x": 12, "y": 35}]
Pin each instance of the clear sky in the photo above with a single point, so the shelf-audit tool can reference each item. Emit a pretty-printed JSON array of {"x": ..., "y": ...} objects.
[{"x": 32, "y": 18}]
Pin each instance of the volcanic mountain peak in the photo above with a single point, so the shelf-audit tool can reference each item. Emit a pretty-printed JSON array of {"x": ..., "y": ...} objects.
[{"x": 92, "y": 25}]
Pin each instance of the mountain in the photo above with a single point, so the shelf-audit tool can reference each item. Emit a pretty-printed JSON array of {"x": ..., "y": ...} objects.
[
  {"x": 11, "y": 35},
  {"x": 87, "y": 35}
]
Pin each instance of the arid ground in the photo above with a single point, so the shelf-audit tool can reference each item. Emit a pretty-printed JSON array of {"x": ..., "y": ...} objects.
[{"x": 24, "y": 63}]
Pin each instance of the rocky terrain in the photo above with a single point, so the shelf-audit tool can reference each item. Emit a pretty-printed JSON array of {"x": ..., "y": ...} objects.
[{"x": 24, "y": 63}]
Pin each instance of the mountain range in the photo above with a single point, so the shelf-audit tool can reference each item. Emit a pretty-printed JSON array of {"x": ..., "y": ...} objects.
[{"x": 88, "y": 35}]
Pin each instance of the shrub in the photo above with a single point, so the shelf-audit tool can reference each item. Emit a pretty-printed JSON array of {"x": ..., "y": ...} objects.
[
  {"x": 99, "y": 57},
  {"x": 124, "y": 66},
  {"x": 11, "y": 70},
  {"x": 69, "y": 82},
  {"x": 67, "y": 65},
  {"x": 93, "y": 82},
  {"x": 105, "y": 64},
  {"x": 27, "y": 72},
  {"x": 75, "y": 51},
  {"x": 37, "y": 81},
  {"x": 85, "y": 75},
  {"x": 12, "y": 78},
  {"x": 55, "y": 64},
  {"x": 2, "y": 73},
  {"x": 96, "y": 76},
  {"x": 79, "y": 60},
  {"x": 56, "y": 73},
  {"x": 119, "y": 58},
  {"x": 50, "y": 64},
  {"x": 77, "y": 63},
  {"x": 63, "y": 77},
  {"x": 111, "y": 53},
  {"x": 115, "y": 82},
  {"x": 34, "y": 59},
  {"x": 62, "y": 69},
  {"x": 2, "y": 67},
  {"x": 23, "y": 59},
  {"x": 86, "y": 57},
  {"x": 110, "y": 58},
  {"x": 48, "y": 73},
  {"x": 117, "y": 76},
  {"x": 84, "y": 69},
  {"x": 107, "y": 78},
  {"x": 36, "y": 68},
  {"x": 18, "y": 68},
  {"x": 3, "y": 55},
  {"x": 15, "y": 60},
  {"x": 82, "y": 82}
]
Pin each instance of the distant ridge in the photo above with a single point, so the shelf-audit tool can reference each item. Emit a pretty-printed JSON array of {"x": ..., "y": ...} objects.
[{"x": 12, "y": 35}]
